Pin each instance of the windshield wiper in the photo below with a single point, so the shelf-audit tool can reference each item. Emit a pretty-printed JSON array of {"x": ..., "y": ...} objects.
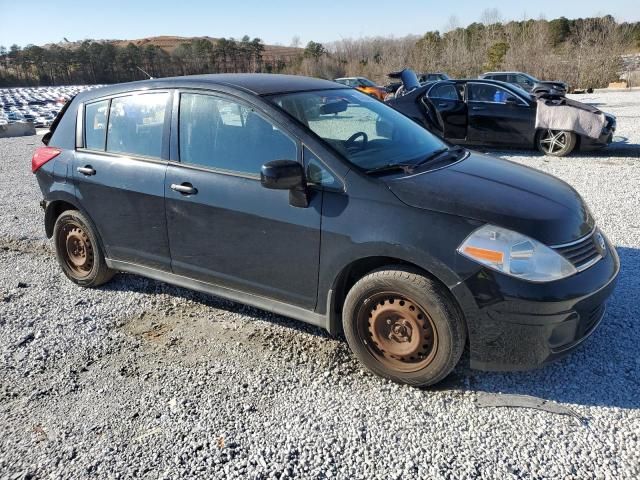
[
  {"x": 392, "y": 167},
  {"x": 410, "y": 167}
]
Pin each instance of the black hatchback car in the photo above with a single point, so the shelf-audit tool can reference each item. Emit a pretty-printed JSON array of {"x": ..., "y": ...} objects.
[{"x": 301, "y": 197}]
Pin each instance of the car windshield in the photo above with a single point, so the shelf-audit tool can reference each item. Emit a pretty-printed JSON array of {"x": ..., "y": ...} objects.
[
  {"x": 521, "y": 91},
  {"x": 368, "y": 133}
]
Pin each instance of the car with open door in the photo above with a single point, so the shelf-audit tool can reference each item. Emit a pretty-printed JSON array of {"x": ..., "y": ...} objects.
[
  {"x": 364, "y": 85},
  {"x": 490, "y": 113},
  {"x": 315, "y": 201}
]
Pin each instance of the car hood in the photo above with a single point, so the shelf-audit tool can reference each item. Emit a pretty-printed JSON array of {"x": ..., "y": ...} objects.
[
  {"x": 554, "y": 84},
  {"x": 502, "y": 193}
]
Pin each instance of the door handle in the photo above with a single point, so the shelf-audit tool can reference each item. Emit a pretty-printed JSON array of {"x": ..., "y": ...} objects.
[
  {"x": 477, "y": 108},
  {"x": 442, "y": 104},
  {"x": 184, "y": 188},
  {"x": 87, "y": 170}
]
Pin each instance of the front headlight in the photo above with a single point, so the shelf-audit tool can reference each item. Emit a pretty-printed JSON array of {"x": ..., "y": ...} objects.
[{"x": 515, "y": 254}]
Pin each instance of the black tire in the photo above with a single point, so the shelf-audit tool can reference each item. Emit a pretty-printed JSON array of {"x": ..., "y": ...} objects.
[
  {"x": 78, "y": 250},
  {"x": 369, "y": 310},
  {"x": 556, "y": 143}
]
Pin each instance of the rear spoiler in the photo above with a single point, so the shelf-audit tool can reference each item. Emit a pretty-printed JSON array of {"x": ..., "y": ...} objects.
[{"x": 47, "y": 136}]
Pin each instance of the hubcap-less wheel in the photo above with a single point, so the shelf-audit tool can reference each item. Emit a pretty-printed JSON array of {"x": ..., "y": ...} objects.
[
  {"x": 554, "y": 141},
  {"x": 397, "y": 332},
  {"x": 77, "y": 248}
]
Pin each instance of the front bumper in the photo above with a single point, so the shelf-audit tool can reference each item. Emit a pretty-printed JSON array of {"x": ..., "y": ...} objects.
[
  {"x": 518, "y": 325},
  {"x": 606, "y": 137}
]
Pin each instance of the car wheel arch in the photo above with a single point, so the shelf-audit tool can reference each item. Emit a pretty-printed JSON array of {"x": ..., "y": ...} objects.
[
  {"x": 53, "y": 210},
  {"x": 357, "y": 269},
  {"x": 57, "y": 207}
]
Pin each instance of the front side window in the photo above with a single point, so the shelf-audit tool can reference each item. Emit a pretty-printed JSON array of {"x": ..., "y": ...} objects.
[
  {"x": 222, "y": 134},
  {"x": 482, "y": 92},
  {"x": 95, "y": 125},
  {"x": 366, "y": 132},
  {"x": 136, "y": 124}
]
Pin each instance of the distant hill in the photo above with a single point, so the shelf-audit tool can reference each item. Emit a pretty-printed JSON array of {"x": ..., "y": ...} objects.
[{"x": 170, "y": 42}]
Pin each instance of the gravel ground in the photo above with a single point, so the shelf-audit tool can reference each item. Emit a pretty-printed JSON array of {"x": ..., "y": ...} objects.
[{"x": 143, "y": 380}]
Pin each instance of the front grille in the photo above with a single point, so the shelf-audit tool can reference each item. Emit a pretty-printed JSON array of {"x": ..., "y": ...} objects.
[{"x": 582, "y": 253}]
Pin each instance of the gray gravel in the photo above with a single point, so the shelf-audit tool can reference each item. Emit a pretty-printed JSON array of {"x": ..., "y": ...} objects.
[{"x": 143, "y": 380}]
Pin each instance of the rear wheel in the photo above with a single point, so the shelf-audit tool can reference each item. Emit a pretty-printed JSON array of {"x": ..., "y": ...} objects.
[
  {"x": 78, "y": 250},
  {"x": 403, "y": 326},
  {"x": 556, "y": 143}
]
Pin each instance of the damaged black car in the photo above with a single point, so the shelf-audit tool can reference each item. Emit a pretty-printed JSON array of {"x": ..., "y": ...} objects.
[{"x": 491, "y": 113}]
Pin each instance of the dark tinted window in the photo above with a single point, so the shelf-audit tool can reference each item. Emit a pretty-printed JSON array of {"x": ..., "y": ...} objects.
[
  {"x": 95, "y": 124},
  {"x": 218, "y": 133},
  {"x": 448, "y": 92},
  {"x": 136, "y": 123},
  {"x": 482, "y": 92}
]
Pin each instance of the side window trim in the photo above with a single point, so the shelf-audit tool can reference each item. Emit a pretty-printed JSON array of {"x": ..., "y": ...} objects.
[
  {"x": 81, "y": 124},
  {"x": 175, "y": 159},
  {"x": 338, "y": 178},
  {"x": 81, "y": 134}
]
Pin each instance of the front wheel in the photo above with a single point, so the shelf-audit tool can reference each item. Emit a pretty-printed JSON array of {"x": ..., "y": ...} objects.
[
  {"x": 557, "y": 143},
  {"x": 404, "y": 326},
  {"x": 78, "y": 251}
]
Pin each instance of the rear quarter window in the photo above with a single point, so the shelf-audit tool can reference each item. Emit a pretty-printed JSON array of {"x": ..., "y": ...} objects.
[
  {"x": 95, "y": 125},
  {"x": 136, "y": 124}
]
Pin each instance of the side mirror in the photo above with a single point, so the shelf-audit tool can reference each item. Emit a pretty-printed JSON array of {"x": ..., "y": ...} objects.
[
  {"x": 286, "y": 175},
  {"x": 511, "y": 101}
]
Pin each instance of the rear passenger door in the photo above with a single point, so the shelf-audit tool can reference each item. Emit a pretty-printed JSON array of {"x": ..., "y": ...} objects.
[
  {"x": 119, "y": 170},
  {"x": 498, "y": 116},
  {"x": 224, "y": 227}
]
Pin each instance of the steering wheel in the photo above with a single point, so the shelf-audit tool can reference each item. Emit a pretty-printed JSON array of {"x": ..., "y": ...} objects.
[{"x": 350, "y": 143}]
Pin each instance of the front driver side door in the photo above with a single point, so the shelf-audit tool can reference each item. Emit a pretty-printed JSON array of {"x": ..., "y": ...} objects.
[
  {"x": 224, "y": 227},
  {"x": 450, "y": 109}
]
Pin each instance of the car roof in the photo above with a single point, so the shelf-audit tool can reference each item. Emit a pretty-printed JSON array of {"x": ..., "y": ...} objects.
[
  {"x": 256, "y": 83},
  {"x": 498, "y": 73},
  {"x": 505, "y": 85}
]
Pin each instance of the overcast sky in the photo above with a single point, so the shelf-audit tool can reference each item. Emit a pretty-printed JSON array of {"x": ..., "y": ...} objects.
[{"x": 274, "y": 21}]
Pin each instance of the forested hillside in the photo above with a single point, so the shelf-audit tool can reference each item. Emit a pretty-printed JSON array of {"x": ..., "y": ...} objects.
[{"x": 584, "y": 52}]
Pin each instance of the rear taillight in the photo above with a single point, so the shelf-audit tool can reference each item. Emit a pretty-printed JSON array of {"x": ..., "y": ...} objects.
[{"x": 42, "y": 155}]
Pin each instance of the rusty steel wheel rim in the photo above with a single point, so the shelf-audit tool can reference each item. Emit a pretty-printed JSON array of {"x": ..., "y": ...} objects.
[
  {"x": 398, "y": 332},
  {"x": 77, "y": 250}
]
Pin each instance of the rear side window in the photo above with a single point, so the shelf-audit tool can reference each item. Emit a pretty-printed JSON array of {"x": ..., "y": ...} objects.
[
  {"x": 136, "y": 124},
  {"x": 95, "y": 125},
  {"x": 223, "y": 134},
  {"x": 447, "y": 92}
]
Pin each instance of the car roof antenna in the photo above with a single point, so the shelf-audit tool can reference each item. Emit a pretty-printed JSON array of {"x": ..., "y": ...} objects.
[{"x": 150, "y": 77}]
